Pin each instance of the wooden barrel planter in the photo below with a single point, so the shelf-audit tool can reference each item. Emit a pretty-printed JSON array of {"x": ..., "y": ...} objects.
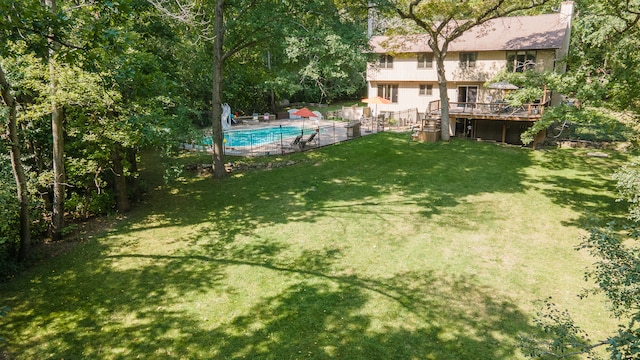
[
  {"x": 430, "y": 131},
  {"x": 428, "y": 136}
]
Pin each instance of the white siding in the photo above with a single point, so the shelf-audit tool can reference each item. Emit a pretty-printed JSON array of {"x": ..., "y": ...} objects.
[
  {"x": 488, "y": 64},
  {"x": 408, "y": 96},
  {"x": 406, "y": 74},
  {"x": 404, "y": 69}
]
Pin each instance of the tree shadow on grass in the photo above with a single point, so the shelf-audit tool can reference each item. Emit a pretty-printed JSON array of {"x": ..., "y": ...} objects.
[
  {"x": 589, "y": 190},
  {"x": 84, "y": 304},
  {"x": 357, "y": 175},
  {"x": 317, "y": 313},
  {"x": 326, "y": 320},
  {"x": 118, "y": 303}
]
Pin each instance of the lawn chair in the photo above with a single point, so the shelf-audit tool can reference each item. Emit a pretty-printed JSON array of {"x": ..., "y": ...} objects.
[
  {"x": 296, "y": 141},
  {"x": 303, "y": 143}
]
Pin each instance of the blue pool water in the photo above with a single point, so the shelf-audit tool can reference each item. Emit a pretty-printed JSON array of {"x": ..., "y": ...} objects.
[{"x": 257, "y": 136}]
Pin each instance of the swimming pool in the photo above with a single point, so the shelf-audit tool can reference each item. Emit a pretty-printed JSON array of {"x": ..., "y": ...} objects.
[{"x": 258, "y": 136}]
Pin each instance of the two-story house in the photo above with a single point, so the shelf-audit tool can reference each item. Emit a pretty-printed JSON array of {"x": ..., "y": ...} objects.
[{"x": 405, "y": 72}]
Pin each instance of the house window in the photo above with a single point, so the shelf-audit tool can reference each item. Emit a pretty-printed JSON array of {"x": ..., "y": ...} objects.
[
  {"x": 467, "y": 95},
  {"x": 388, "y": 91},
  {"x": 519, "y": 61},
  {"x": 385, "y": 62},
  {"x": 425, "y": 61},
  {"x": 468, "y": 59},
  {"x": 426, "y": 89}
]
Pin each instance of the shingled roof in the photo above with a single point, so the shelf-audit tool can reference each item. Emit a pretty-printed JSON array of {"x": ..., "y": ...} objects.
[{"x": 507, "y": 33}]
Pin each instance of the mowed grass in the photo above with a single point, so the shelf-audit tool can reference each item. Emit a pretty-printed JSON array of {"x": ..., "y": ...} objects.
[{"x": 373, "y": 249}]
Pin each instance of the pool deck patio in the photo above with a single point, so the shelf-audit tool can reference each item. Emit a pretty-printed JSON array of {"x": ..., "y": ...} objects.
[{"x": 330, "y": 132}]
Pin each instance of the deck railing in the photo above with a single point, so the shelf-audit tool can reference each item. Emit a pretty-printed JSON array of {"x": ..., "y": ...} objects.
[{"x": 497, "y": 109}]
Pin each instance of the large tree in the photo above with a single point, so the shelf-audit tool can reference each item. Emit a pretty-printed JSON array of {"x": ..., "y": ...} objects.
[
  {"x": 57, "y": 133},
  {"x": 212, "y": 26},
  {"x": 19, "y": 23},
  {"x": 444, "y": 21},
  {"x": 247, "y": 32},
  {"x": 115, "y": 79},
  {"x": 11, "y": 135}
]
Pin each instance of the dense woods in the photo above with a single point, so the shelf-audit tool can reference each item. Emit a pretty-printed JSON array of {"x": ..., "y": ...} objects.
[{"x": 88, "y": 85}]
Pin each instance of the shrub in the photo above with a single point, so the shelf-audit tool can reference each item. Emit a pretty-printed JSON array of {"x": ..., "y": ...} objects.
[{"x": 591, "y": 124}]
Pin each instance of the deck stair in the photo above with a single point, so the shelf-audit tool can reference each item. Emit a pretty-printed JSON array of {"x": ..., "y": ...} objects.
[{"x": 428, "y": 130}]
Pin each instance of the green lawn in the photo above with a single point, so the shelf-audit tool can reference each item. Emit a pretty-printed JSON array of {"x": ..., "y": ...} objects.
[{"x": 372, "y": 249}]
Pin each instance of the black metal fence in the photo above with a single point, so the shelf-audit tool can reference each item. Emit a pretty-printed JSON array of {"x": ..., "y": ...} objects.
[
  {"x": 281, "y": 137},
  {"x": 401, "y": 119},
  {"x": 278, "y": 139}
]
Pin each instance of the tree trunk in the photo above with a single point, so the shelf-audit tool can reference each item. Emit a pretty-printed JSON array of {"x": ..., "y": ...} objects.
[
  {"x": 59, "y": 178},
  {"x": 218, "y": 76},
  {"x": 120, "y": 181},
  {"x": 57, "y": 130},
  {"x": 16, "y": 166},
  {"x": 444, "y": 96},
  {"x": 133, "y": 183},
  {"x": 272, "y": 98},
  {"x": 272, "y": 95}
]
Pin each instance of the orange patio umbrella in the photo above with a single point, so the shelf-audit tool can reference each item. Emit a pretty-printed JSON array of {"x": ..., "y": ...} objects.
[
  {"x": 376, "y": 100},
  {"x": 304, "y": 113}
]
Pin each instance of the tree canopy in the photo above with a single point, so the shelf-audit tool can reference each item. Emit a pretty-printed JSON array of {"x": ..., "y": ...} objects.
[{"x": 136, "y": 74}]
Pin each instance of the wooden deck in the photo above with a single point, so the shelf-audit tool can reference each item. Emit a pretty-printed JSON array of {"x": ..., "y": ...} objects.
[
  {"x": 497, "y": 120},
  {"x": 490, "y": 111}
]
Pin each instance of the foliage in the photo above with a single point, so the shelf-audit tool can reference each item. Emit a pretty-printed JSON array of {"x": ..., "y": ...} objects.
[
  {"x": 332, "y": 69},
  {"x": 131, "y": 80},
  {"x": 8, "y": 209},
  {"x": 117, "y": 84},
  {"x": 531, "y": 85},
  {"x": 89, "y": 204},
  {"x": 628, "y": 182},
  {"x": 603, "y": 62},
  {"x": 568, "y": 121},
  {"x": 329, "y": 51},
  {"x": 617, "y": 270},
  {"x": 245, "y": 30},
  {"x": 316, "y": 53},
  {"x": 616, "y": 273},
  {"x": 603, "y": 72},
  {"x": 567, "y": 340},
  {"x": 313, "y": 53},
  {"x": 9, "y": 227},
  {"x": 27, "y": 21}
]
